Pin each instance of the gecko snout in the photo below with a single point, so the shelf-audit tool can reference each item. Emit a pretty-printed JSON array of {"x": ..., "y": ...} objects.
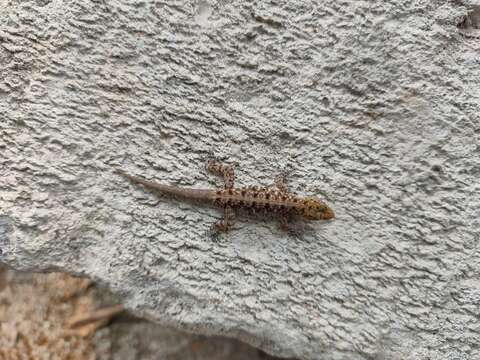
[{"x": 328, "y": 214}]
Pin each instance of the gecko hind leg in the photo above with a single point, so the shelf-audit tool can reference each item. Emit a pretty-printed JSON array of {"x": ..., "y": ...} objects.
[
  {"x": 225, "y": 171},
  {"x": 226, "y": 223}
]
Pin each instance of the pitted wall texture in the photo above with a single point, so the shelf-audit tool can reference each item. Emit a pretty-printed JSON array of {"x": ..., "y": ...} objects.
[{"x": 371, "y": 105}]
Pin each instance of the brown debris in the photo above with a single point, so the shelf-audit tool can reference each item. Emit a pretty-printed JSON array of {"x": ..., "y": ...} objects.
[{"x": 33, "y": 308}]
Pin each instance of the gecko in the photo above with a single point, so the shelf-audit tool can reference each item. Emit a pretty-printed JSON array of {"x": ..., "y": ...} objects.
[{"x": 275, "y": 200}]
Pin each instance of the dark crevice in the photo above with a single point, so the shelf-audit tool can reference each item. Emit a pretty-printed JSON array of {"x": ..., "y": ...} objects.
[{"x": 472, "y": 19}]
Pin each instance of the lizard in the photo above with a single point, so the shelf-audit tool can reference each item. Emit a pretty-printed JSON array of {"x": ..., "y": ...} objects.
[{"x": 276, "y": 200}]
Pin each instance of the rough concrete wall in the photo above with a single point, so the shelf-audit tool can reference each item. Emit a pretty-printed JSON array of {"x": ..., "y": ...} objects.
[{"x": 373, "y": 105}]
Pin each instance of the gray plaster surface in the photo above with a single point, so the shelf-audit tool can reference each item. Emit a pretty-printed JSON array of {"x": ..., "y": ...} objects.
[{"x": 372, "y": 105}]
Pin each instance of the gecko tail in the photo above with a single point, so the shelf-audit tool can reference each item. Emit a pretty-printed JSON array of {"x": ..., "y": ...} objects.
[
  {"x": 133, "y": 178},
  {"x": 126, "y": 175},
  {"x": 167, "y": 189},
  {"x": 119, "y": 172}
]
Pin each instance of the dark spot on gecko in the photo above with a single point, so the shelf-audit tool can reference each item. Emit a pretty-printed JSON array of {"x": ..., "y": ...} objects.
[
  {"x": 255, "y": 194},
  {"x": 267, "y": 196},
  {"x": 243, "y": 192},
  {"x": 230, "y": 192}
]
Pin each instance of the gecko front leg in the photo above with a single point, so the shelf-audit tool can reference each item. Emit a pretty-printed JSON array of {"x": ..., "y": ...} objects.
[
  {"x": 284, "y": 223},
  {"x": 289, "y": 225},
  {"x": 226, "y": 223},
  {"x": 225, "y": 171},
  {"x": 280, "y": 183}
]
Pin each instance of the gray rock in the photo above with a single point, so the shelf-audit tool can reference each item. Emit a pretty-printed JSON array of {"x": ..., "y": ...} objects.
[{"x": 371, "y": 105}]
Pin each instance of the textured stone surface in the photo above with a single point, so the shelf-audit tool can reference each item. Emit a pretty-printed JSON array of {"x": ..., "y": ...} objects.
[{"x": 373, "y": 105}]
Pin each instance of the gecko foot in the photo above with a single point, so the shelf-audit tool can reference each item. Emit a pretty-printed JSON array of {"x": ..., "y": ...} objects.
[
  {"x": 221, "y": 226},
  {"x": 214, "y": 232},
  {"x": 222, "y": 170},
  {"x": 281, "y": 181}
]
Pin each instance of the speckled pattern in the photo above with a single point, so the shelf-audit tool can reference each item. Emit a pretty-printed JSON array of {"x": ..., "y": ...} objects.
[
  {"x": 274, "y": 201},
  {"x": 371, "y": 105}
]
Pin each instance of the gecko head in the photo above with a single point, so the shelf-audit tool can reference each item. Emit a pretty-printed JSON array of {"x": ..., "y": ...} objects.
[{"x": 314, "y": 209}]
